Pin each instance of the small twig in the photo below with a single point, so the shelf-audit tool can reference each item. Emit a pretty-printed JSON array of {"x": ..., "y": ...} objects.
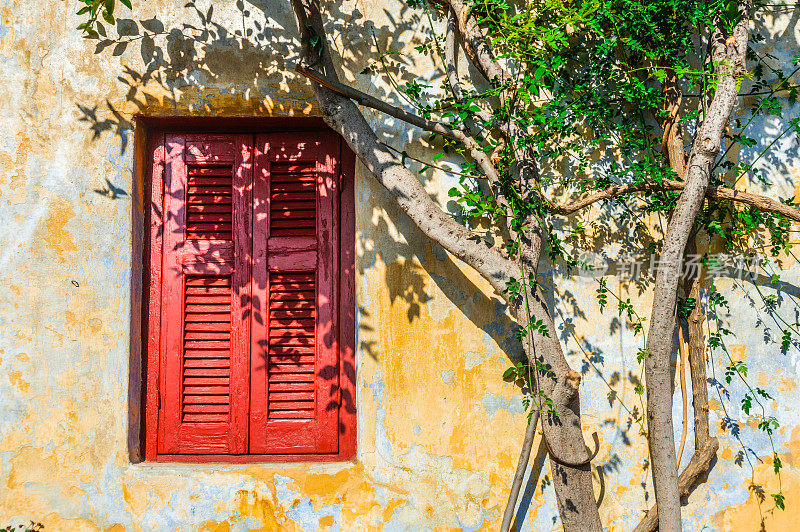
[{"x": 427, "y": 164}]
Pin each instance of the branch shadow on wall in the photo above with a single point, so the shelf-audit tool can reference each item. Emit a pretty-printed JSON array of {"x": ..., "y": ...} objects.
[
  {"x": 194, "y": 68},
  {"x": 180, "y": 66}
]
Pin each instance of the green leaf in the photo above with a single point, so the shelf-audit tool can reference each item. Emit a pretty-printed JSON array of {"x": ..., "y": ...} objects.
[
  {"x": 786, "y": 341},
  {"x": 510, "y": 374},
  {"x": 747, "y": 404},
  {"x": 119, "y": 49},
  {"x": 744, "y": 141},
  {"x": 127, "y": 3},
  {"x": 779, "y": 500}
]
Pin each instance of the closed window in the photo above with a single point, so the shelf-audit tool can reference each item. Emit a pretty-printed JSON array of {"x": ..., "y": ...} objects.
[{"x": 250, "y": 319}]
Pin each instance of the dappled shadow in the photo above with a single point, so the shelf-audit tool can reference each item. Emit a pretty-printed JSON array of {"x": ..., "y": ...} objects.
[{"x": 242, "y": 66}]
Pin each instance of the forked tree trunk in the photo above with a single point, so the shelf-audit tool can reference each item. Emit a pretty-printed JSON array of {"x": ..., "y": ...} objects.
[{"x": 729, "y": 55}]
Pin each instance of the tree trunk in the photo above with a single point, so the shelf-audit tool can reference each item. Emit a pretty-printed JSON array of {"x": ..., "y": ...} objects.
[
  {"x": 729, "y": 54},
  {"x": 573, "y": 485},
  {"x": 705, "y": 447},
  {"x": 561, "y": 428}
]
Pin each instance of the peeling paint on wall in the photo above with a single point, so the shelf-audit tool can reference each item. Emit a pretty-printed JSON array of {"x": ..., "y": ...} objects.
[{"x": 439, "y": 431}]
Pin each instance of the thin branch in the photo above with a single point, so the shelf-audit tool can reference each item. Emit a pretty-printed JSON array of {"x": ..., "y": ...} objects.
[
  {"x": 484, "y": 57},
  {"x": 519, "y": 474},
  {"x": 450, "y": 54},
  {"x": 426, "y": 163},
  {"x": 370, "y": 101},
  {"x": 761, "y": 203}
]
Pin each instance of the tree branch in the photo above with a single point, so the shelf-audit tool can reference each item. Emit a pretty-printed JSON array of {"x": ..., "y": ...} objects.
[
  {"x": 379, "y": 105},
  {"x": 761, "y": 203},
  {"x": 478, "y": 48},
  {"x": 672, "y": 140},
  {"x": 519, "y": 474},
  {"x": 356, "y": 95},
  {"x": 472, "y": 146},
  {"x": 450, "y": 64},
  {"x": 450, "y": 54},
  {"x": 343, "y": 116},
  {"x": 573, "y": 486}
]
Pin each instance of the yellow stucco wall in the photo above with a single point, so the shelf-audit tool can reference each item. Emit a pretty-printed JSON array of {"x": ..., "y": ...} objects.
[{"x": 438, "y": 430}]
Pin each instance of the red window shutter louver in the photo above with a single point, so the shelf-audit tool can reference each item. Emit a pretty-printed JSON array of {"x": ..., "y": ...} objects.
[
  {"x": 250, "y": 342},
  {"x": 295, "y": 364},
  {"x": 205, "y": 295}
]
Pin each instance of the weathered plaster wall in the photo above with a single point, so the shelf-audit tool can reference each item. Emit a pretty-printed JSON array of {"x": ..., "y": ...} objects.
[{"x": 438, "y": 430}]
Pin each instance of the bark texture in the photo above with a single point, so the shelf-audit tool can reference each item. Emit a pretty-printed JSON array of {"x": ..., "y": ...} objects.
[
  {"x": 697, "y": 368},
  {"x": 573, "y": 485},
  {"x": 519, "y": 474},
  {"x": 729, "y": 54},
  {"x": 705, "y": 447},
  {"x": 712, "y": 193}
]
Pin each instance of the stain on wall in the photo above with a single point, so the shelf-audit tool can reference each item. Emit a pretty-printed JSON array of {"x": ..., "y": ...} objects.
[{"x": 439, "y": 431}]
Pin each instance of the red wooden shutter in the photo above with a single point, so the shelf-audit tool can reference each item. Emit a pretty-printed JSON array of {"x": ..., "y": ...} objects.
[
  {"x": 295, "y": 376},
  {"x": 205, "y": 336}
]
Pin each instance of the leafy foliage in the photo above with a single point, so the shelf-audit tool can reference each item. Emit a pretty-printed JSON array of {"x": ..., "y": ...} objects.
[{"x": 589, "y": 86}]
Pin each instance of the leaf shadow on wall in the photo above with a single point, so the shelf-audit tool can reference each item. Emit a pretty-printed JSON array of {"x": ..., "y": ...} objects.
[
  {"x": 179, "y": 64},
  {"x": 185, "y": 69}
]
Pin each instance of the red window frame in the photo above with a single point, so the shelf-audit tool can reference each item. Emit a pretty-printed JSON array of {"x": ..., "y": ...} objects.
[{"x": 247, "y": 449}]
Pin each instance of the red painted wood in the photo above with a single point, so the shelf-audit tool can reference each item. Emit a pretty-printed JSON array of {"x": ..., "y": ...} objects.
[
  {"x": 171, "y": 345},
  {"x": 211, "y": 148},
  {"x": 238, "y": 124},
  {"x": 259, "y": 358},
  {"x": 205, "y": 298},
  {"x": 294, "y": 387},
  {"x": 347, "y": 306},
  {"x": 241, "y": 303},
  {"x": 156, "y": 151},
  {"x": 299, "y": 402},
  {"x": 255, "y": 458}
]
